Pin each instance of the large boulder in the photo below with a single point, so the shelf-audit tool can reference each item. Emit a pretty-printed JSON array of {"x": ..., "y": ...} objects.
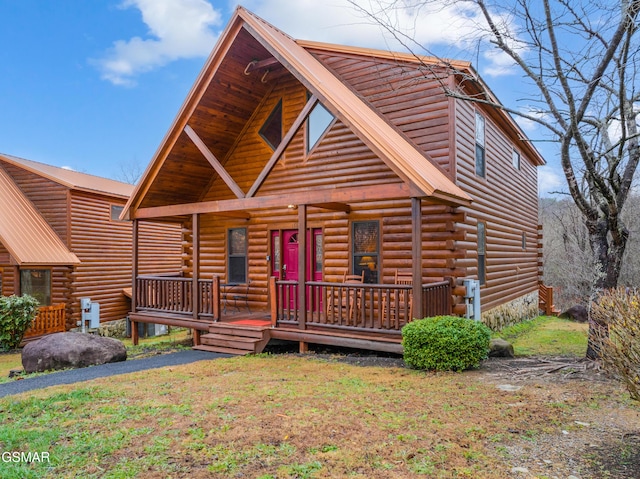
[
  {"x": 71, "y": 350},
  {"x": 576, "y": 313},
  {"x": 499, "y": 348}
]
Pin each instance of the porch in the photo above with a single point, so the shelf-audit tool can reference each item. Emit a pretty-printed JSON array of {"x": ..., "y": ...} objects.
[{"x": 366, "y": 316}]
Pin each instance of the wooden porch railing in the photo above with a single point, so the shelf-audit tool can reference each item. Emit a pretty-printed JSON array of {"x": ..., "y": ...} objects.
[
  {"x": 173, "y": 294},
  {"x": 545, "y": 300},
  {"x": 367, "y": 307},
  {"x": 50, "y": 319}
]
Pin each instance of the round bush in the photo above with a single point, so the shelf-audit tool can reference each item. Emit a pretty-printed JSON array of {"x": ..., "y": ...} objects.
[{"x": 445, "y": 343}]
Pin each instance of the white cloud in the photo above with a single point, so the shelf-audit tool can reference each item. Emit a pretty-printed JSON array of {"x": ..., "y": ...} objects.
[
  {"x": 450, "y": 29},
  {"x": 177, "y": 29},
  {"x": 550, "y": 180}
]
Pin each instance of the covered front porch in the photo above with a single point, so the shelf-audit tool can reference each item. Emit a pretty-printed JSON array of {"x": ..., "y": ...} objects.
[{"x": 368, "y": 316}]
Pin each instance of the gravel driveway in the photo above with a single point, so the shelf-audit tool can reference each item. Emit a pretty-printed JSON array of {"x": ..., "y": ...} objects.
[{"x": 71, "y": 376}]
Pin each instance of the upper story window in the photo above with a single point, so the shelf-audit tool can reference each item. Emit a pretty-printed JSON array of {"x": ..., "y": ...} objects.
[
  {"x": 317, "y": 124},
  {"x": 237, "y": 259},
  {"x": 515, "y": 159},
  {"x": 481, "y": 168},
  {"x": 271, "y": 131},
  {"x": 116, "y": 210}
]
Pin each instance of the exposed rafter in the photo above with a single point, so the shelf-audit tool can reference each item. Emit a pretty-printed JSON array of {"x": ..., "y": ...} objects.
[{"x": 222, "y": 172}]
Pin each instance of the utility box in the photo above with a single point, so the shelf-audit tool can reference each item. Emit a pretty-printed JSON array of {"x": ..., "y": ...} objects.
[
  {"x": 90, "y": 314},
  {"x": 472, "y": 298}
]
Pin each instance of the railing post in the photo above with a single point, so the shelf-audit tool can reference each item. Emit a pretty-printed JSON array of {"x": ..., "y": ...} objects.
[
  {"x": 273, "y": 296},
  {"x": 302, "y": 266},
  {"x": 195, "y": 293},
  {"x": 215, "y": 292}
]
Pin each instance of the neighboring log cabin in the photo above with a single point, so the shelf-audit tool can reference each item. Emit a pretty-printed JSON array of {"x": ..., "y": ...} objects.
[
  {"x": 334, "y": 193},
  {"x": 61, "y": 239}
]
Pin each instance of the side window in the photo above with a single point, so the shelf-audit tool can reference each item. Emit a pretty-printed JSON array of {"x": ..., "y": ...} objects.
[
  {"x": 36, "y": 283},
  {"x": 366, "y": 249},
  {"x": 116, "y": 210},
  {"x": 237, "y": 259},
  {"x": 482, "y": 252},
  {"x": 515, "y": 159},
  {"x": 524, "y": 241},
  {"x": 481, "y": 168}
]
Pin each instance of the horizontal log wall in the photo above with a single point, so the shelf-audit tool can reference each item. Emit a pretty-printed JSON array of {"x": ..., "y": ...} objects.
[
  {"x": 104, "y": 248},
  {"x": 507, "y": 201}
]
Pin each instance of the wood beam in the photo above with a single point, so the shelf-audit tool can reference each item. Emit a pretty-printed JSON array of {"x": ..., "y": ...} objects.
[
  {"x": 195, "y": 258},
  {"x": 325, "y": 195},
  {"x": 333, "y": 206},
  {"x": 416, "y": 255},
  {"x": 302, "y": 266},
  {"x": 302, "y": 116},
  {"x": 222, "y": 172}
]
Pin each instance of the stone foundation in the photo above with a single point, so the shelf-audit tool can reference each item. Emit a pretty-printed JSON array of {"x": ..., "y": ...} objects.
[
  {"x": 520, "y": 309},
  {"x": 113, "y": 329}
]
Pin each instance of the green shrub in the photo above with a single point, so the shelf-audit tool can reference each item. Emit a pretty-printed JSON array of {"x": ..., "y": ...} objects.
[
  {"x": 445, "y": 343},
  {"x": 16, "y": 315}
]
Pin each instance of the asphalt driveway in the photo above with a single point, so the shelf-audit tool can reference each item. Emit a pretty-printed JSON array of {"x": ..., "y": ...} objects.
[{"x": 71, "y": 376}]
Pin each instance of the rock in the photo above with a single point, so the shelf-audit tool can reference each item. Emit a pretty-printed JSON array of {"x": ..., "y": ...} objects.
[
  {"x": 71, "y": 350},
  {"x": 499, "y": 348},
  {"x": 577, "y": 313}
]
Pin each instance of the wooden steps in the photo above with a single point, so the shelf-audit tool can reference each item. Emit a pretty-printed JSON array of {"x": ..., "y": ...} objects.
[{"x": 235, "y": 339}]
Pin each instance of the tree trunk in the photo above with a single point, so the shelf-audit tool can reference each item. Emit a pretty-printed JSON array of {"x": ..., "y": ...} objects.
[{"x": 608, "y": 248}]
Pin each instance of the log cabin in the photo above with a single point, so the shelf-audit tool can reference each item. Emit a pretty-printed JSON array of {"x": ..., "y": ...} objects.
[
  {"x": 61, "y": 239},
  {"x": 309, "y": 179}
]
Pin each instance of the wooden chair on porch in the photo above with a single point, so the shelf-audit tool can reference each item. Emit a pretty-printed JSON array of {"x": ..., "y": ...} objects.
[
  {"x": 400, "y": 302},
  {"x": 345, "y": 300}
]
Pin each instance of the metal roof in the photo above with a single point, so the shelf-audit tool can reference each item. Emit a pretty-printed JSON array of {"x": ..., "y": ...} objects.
[
  {"x": 72, "y": 179},
  {"x": 25, "y": 233}
]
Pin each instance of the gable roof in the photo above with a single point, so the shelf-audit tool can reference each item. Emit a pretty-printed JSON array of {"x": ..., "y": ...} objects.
[
  {"x": 25, "y": 233},
  {"x": 74, "y": 180},
  {"x": 423, "y": 177}
]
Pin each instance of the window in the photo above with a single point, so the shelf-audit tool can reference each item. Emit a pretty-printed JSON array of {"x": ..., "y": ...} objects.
[
  {"x": 271, "y": 131},
  {"x": 515, "y": 159},
  {"x": 481, "y": 169},
  {"x": 317, "y": 124},
  {"x": 366, "y": 249},
  {"x": 524, "y": 241},
  {"x": 116, "y": 210},
  {"x": 36, "y": 283},
  {"x": 482, "y": 249},
  {"x": 237, "y": 264}
]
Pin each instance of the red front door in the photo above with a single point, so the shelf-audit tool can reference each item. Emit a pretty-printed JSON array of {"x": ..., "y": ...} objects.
[{"x": 284, "y": 252}]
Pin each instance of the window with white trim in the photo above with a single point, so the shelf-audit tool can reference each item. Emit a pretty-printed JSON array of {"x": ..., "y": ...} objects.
[{"x": 481, "y": 167}]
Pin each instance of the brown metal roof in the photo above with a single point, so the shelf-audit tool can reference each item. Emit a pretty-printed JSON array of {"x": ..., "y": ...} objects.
[
  {"x": 72, "y": 179},
  {"x": 423, "y": 176},
  {"x": 25, "y": 233}
]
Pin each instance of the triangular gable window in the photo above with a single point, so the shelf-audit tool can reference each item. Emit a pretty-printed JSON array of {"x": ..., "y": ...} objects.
[
  {"x": 319, "y": 120},
  {"x": 271, "y": 131}
]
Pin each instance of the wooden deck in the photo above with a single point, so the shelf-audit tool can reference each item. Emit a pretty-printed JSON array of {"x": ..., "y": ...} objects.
[{"x": 363, "y": 316}]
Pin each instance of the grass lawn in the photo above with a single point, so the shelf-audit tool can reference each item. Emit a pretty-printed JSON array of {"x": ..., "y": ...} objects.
[
  {"x": 286, "y": 416},
  {"x": 547, "y": 336}
]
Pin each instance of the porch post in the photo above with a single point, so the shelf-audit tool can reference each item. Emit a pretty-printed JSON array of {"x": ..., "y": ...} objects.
[
  {"x": 416, "y": 255},
  {"x": 134, "y": 280},
  {"x": 302, "y": 265},
  {"x": 195, "y": 235}
]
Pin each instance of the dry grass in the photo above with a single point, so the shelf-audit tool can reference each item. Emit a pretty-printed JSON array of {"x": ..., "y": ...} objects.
[{"x": 291, "y": 417}]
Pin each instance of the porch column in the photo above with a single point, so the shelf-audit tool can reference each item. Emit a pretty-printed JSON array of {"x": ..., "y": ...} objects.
[
  {"x": 416, "y": 255},
  {"x": 195, "y": 236},
  {"x": 134, "y": 280},
  {"x": 302, "y": 265}
]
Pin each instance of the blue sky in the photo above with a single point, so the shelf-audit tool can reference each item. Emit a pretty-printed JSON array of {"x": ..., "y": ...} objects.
[{"x": 94, "y": 85}]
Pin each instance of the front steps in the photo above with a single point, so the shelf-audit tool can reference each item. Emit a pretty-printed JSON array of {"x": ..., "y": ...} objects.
[{"x": 234, "y": 339}]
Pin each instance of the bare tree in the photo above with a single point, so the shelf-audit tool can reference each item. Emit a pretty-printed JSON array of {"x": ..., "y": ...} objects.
[
  {"x": 580, "y": 58},
  {"x": 130, "y": 172}
]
